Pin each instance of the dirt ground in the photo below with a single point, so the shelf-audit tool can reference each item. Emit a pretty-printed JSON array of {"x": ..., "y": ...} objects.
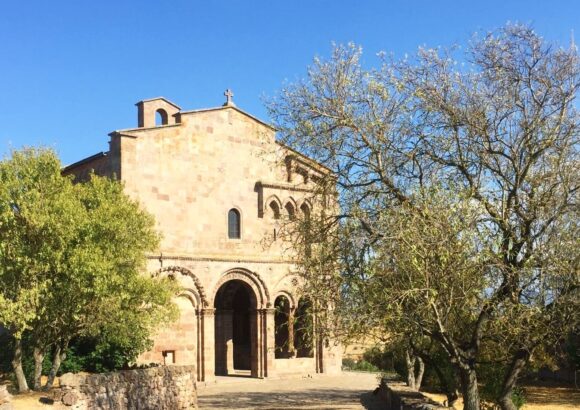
[
  {"x": 347, "y": 391},
  {"x": 539, "y": 398}
]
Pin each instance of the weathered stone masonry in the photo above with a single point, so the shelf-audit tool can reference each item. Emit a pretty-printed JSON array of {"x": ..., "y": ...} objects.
[
  {"x": 192, "y": 170},
  {"x": 159, "y": 388}
]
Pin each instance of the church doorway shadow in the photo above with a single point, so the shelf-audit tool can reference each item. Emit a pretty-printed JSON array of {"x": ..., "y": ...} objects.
[{"x": 236, "y": 330}]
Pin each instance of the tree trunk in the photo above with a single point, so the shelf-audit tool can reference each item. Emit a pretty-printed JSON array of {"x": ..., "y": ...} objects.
[
  {"x": 38, "y": 360},
  {"x": 58, "y": 357},
  {"x": 420, "y": 372},
  {"x": 17, "y": 367},
  {"x": 518, "y": 363},
  {"x": 449, "y": 387},
  {"x": 469, "y": 389},
  {"x": 410, "y": 361}
]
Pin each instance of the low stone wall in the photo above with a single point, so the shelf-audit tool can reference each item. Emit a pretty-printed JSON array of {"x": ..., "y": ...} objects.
[
  {"x": 398, "y": 396},
  {"x": 5, "y": 398},
  {"x": 163, "y": 387}
]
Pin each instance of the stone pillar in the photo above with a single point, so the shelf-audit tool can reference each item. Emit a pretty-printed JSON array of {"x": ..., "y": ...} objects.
[
  {"x": 256, "y": 343},
  {"x": 199, "y": 365},
  {"x": 269, "y": 341},
  {"x": 291, "y": 318},
  {"x": 207, "y": 349}
]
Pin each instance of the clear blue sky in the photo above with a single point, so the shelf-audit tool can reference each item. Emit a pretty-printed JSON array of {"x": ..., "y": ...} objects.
[{"x": 71, "y": 71}]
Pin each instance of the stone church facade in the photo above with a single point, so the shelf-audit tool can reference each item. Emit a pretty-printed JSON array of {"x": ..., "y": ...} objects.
[{"x": 219, "y": 184}]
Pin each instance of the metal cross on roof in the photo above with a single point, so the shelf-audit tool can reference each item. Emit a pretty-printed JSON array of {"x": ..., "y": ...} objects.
[{"x": 229, "y": 94}]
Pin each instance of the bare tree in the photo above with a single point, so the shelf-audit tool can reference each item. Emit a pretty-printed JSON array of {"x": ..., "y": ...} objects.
[{"x": 497, "y": 133}]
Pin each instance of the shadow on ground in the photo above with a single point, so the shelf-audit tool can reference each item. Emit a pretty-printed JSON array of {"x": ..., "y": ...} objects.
[{"x": 306, "y": 399}]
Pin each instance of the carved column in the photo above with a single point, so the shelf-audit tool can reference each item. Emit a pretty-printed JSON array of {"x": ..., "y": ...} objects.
[
  {"x": 291, "y": 318},
  {"x": 199, "y": 365},
  {"x": 269, "y": 341}
]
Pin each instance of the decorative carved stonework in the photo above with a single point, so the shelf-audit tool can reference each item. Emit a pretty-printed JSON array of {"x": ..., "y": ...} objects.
[{"x": 186, "y": 272}]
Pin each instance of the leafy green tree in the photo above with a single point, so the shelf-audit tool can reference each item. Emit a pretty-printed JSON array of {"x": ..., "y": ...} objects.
[{"x": 71, "y": 258}]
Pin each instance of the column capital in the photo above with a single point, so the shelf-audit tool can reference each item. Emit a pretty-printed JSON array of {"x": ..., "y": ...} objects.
[{"x": 208, "y": 312}]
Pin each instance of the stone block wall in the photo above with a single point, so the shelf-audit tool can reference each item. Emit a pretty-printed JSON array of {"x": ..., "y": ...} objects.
[
  {"x": 159, "y": 388},
  {"x": 398, "y": 396}
]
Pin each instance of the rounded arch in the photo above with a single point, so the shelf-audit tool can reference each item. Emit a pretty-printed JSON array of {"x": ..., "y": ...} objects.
[
  {"x": 199, "y": 291},
  {"x": 192, "y": 296},
  {"x": 287, "y": 295},
  {"x": 225, "y": 295},
  {"x": 161, "y": 117},
  {"x": 252, "y": 279},
  {"x": 234, "y": 223}
]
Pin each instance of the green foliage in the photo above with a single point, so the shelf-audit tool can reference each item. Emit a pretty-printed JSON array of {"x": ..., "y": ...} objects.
[
  {"x": 572, "y": 348},
  {"x": 99, "y": 355},
  {"x": 383, "y": 359},
  {"x": 71, "y": 261},
  {"x": 6, "y": 341},
  {"x": 492, "y": 376},
  {"x": 361, "y": 366},
  {"x": 348, "y": 363}
]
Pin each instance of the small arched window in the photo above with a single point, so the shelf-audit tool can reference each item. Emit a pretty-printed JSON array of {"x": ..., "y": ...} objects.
[
  {"x": 291, "y": 211},
  {"x": 234, "y": 224},
  {"x": 160, "y": 117},
  {"x": 275, "y": 209},
  {"x": 305, "y": 211}
]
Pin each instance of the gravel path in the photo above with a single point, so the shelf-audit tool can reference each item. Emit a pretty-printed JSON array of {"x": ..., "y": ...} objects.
[{"x": 346, "y": 391}]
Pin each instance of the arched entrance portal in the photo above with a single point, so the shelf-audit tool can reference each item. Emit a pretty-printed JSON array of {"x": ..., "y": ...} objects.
[{"x": 236, "y": 330}]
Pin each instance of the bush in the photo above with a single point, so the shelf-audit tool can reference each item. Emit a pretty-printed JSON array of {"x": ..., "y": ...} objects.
[
  {"x": 361, "y": 366},
  {"x": 348, "y": 363},
  {"x": 95, "y": 355},
  {"x": 492, "y": 376},
  {"x": 384, "y": 359}
]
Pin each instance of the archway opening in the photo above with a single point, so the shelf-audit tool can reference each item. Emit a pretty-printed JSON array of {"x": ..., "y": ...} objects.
[
  {"x": 304, "y": 329},
  {"x": 235, "y": 330},
  {"x": 283, "y": 336},
  {"x": 275, "y": 209},
  {"x": 161, "y": 117}
]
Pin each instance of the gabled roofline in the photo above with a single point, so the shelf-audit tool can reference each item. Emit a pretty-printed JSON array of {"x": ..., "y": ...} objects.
[
  {"x": 225, "y": 107},
  {"x": 158, "y": 98},
  {"x": 85, "y": 160},
  {"x": 121, "y": 132}
]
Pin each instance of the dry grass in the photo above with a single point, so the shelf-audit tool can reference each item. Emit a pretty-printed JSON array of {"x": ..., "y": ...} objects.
[
  {"x": 33, "y": 400},
  {"x": 538, "y": 398}
]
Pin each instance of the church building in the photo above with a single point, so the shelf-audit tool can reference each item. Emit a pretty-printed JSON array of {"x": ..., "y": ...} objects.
[{"x": 219, "y": 184}]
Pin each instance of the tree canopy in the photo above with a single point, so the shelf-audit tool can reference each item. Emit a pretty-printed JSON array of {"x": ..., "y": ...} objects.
[
  {"x": 457, "y": 173},
  {"x": 71, "y": 261}
]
